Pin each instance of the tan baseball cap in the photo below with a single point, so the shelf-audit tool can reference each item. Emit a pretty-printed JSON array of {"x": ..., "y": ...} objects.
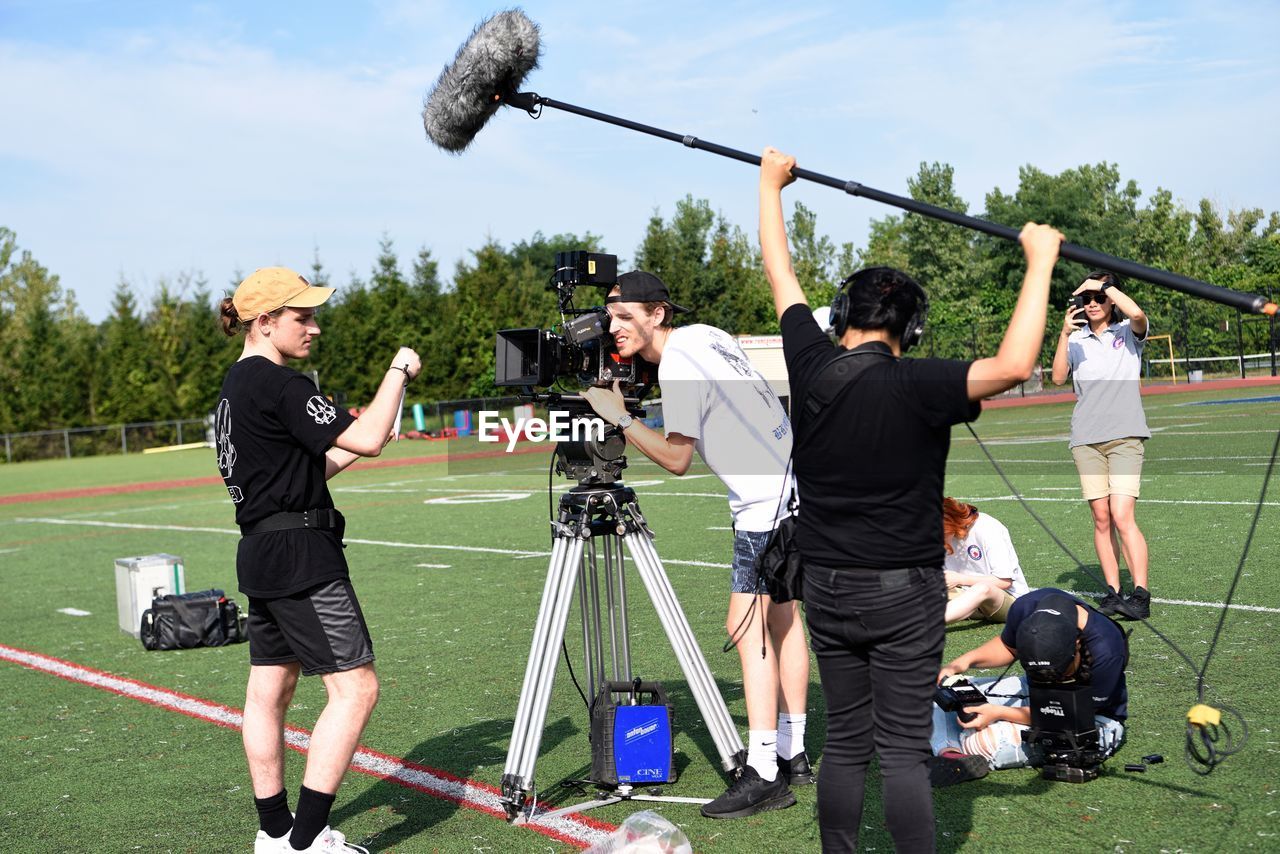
[{"x": 271, "y": 288}]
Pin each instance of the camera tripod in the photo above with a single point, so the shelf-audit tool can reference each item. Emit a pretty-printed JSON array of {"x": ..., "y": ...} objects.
[{"x": 596, "y": 520}]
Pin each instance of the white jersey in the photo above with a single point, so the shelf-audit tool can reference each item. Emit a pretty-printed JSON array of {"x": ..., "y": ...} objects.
[
  {"x": 713, "y": 394},
  {"x": 987, "y": 550}
]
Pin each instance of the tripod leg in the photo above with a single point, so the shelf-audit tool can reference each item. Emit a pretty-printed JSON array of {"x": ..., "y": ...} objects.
[
  {"x": 611, "y": 605},
  {"x": 615, "y": 546},
  {"x": 535, "y": 694},
  {"x": 591, "y": 572},
  {"x": 589, "y": 643},
  {"x": 692, "y": 662}
]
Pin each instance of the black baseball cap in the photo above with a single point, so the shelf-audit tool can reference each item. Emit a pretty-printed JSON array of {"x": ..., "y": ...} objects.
[
  {"x": 639, "y": 286},
  {"x": 1046, "y": 640}
]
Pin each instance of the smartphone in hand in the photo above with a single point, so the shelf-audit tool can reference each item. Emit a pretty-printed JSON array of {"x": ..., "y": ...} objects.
[{"x": 1078, "y": 318}]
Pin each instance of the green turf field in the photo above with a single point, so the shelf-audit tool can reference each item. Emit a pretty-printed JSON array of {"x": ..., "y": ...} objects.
[{"x": 91, "y": 770}]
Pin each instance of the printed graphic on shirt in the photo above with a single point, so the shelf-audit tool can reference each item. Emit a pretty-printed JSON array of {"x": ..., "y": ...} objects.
[
  {"x": 975, "y": 552},
  {"x": 321, "y": 410},
  {"x": 226, "y": 450},
  {"x": 742, "y": 366},
  {"x": 736, "y": 360},
  {"x": 1118, "y": 342}
]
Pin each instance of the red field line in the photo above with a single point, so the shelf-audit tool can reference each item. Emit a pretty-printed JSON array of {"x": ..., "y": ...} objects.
[
  {"x": 1147, "y": 391},
  {"x": 123, "y": 488},
  {"x": 578, "y": 831}
]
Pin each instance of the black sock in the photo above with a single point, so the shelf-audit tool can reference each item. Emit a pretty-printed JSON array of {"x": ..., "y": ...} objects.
[
  {"x": 312, "y": 817},
  {"x": 273, "y": 814}
]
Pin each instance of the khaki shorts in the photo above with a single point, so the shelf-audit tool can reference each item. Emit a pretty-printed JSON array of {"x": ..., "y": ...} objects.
[
  {"x": 985, "y": 611},
  {"x": 1110, "y": 468}
]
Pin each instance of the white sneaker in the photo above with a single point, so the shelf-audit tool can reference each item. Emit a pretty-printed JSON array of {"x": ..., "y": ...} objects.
[
  {"x": 263, "y": 844},
  {"x": 329, "y": 841}
]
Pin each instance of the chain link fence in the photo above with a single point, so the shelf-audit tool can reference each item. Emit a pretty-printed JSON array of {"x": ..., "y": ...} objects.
[{"x": 110, "y": 439}]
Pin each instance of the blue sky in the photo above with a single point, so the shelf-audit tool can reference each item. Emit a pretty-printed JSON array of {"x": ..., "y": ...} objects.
[{"x": 151, "y": 140}]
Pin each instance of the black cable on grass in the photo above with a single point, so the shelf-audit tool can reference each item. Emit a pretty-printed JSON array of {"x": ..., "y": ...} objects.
[
  {"x": 1209, "y": 741},
  {"x": 1248, "y": 543}
]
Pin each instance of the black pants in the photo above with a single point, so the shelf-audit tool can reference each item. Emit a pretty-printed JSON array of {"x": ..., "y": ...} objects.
[{"x": 878, "y": 637}]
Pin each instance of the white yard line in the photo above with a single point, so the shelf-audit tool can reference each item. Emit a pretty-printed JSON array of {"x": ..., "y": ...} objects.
[
  {"x": 666, "y": 561},
  {"x": 1193, "y": 502}
]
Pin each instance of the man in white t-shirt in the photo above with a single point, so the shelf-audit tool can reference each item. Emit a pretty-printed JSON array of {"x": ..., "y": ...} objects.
[
  {"x": 715, "y": 402},
  {"x": 981, "y": 567}
]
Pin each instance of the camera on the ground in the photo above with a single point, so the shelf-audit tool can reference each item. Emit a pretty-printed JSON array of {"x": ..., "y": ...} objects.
[{"x": 1063, "y": 739}]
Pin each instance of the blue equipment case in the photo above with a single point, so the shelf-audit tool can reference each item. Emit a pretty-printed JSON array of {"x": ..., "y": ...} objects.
[{"x": 632, "y": 742}]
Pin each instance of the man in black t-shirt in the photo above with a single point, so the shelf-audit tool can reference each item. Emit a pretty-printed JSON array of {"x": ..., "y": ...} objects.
[
  {"x": 278, "y": 441},
  {"x": 870, "y": 464}
]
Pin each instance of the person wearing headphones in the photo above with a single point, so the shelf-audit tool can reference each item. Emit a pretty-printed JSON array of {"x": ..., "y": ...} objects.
[{"x": 872, "y": 435}]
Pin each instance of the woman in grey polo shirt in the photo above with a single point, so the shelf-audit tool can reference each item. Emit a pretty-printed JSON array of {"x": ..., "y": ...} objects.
[{"x": 1108, "y": 428}]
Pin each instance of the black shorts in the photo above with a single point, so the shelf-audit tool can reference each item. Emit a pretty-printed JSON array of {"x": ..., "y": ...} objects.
[{"x": 321, "y": 627}]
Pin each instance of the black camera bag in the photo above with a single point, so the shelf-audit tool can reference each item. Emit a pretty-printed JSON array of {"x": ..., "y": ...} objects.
[
  {"x": 778, "y": 563},
  {"x": 190, "y": 620}
]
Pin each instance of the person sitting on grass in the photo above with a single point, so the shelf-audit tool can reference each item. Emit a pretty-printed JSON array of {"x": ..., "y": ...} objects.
[
  {"x": 1057, "y": 639},
  {"x": 981, "y": 567}
]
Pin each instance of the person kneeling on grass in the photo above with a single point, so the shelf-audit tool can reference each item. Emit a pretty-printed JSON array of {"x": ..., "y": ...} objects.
[
  {"x": 1061, "y": 640},
  {"x": 981, "y": 567}
]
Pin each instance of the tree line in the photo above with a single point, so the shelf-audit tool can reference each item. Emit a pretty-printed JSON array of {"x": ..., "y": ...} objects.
[{"x": 165, "y": 359}]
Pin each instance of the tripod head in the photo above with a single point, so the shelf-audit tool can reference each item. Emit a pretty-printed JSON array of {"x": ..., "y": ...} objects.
[{"x": 594, "y": 460}]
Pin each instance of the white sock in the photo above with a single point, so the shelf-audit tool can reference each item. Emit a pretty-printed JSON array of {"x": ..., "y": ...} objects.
[
  {"x": 762, "y": 753},
  {"x": 790, "y": 735}
]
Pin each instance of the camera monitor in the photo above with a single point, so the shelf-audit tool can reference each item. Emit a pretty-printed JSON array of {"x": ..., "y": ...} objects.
[{"x": 523, "y": 358}]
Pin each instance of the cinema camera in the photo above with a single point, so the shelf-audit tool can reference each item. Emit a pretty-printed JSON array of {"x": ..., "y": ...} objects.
[
  {"x": 1063, "y": 739},
  {"x": 581, "y": 352}
]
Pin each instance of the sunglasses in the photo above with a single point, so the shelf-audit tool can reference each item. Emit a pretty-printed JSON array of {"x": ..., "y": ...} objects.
[{"x": 1092, "y": 296}]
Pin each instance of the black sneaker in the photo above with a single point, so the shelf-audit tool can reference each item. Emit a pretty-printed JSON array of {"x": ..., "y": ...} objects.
[
  {"x": 956, "y": 768},
  {"x": 750, "y": 794},
  {"x": 1110, "y": 602},
  {"x": 797, "y": 770},
  {"x": 1137, "y": 605}
]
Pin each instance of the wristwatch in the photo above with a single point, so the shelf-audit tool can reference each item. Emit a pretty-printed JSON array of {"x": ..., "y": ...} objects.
[{"x": 625, "y": 421}]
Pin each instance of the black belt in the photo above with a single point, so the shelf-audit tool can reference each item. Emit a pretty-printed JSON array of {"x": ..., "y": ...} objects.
[{"x": 320, "y": 519}]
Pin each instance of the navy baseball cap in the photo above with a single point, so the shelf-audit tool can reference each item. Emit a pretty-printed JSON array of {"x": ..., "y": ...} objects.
[
  {"x": 1046, "y": 640},
  {"x": 639, "y": 286}
]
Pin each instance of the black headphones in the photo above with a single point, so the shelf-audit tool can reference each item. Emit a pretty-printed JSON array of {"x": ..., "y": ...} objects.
[{"x": 914, "y": 330}]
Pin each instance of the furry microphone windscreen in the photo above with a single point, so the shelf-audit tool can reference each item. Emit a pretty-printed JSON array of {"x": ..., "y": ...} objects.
[{"x": 491, "y": 65}]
